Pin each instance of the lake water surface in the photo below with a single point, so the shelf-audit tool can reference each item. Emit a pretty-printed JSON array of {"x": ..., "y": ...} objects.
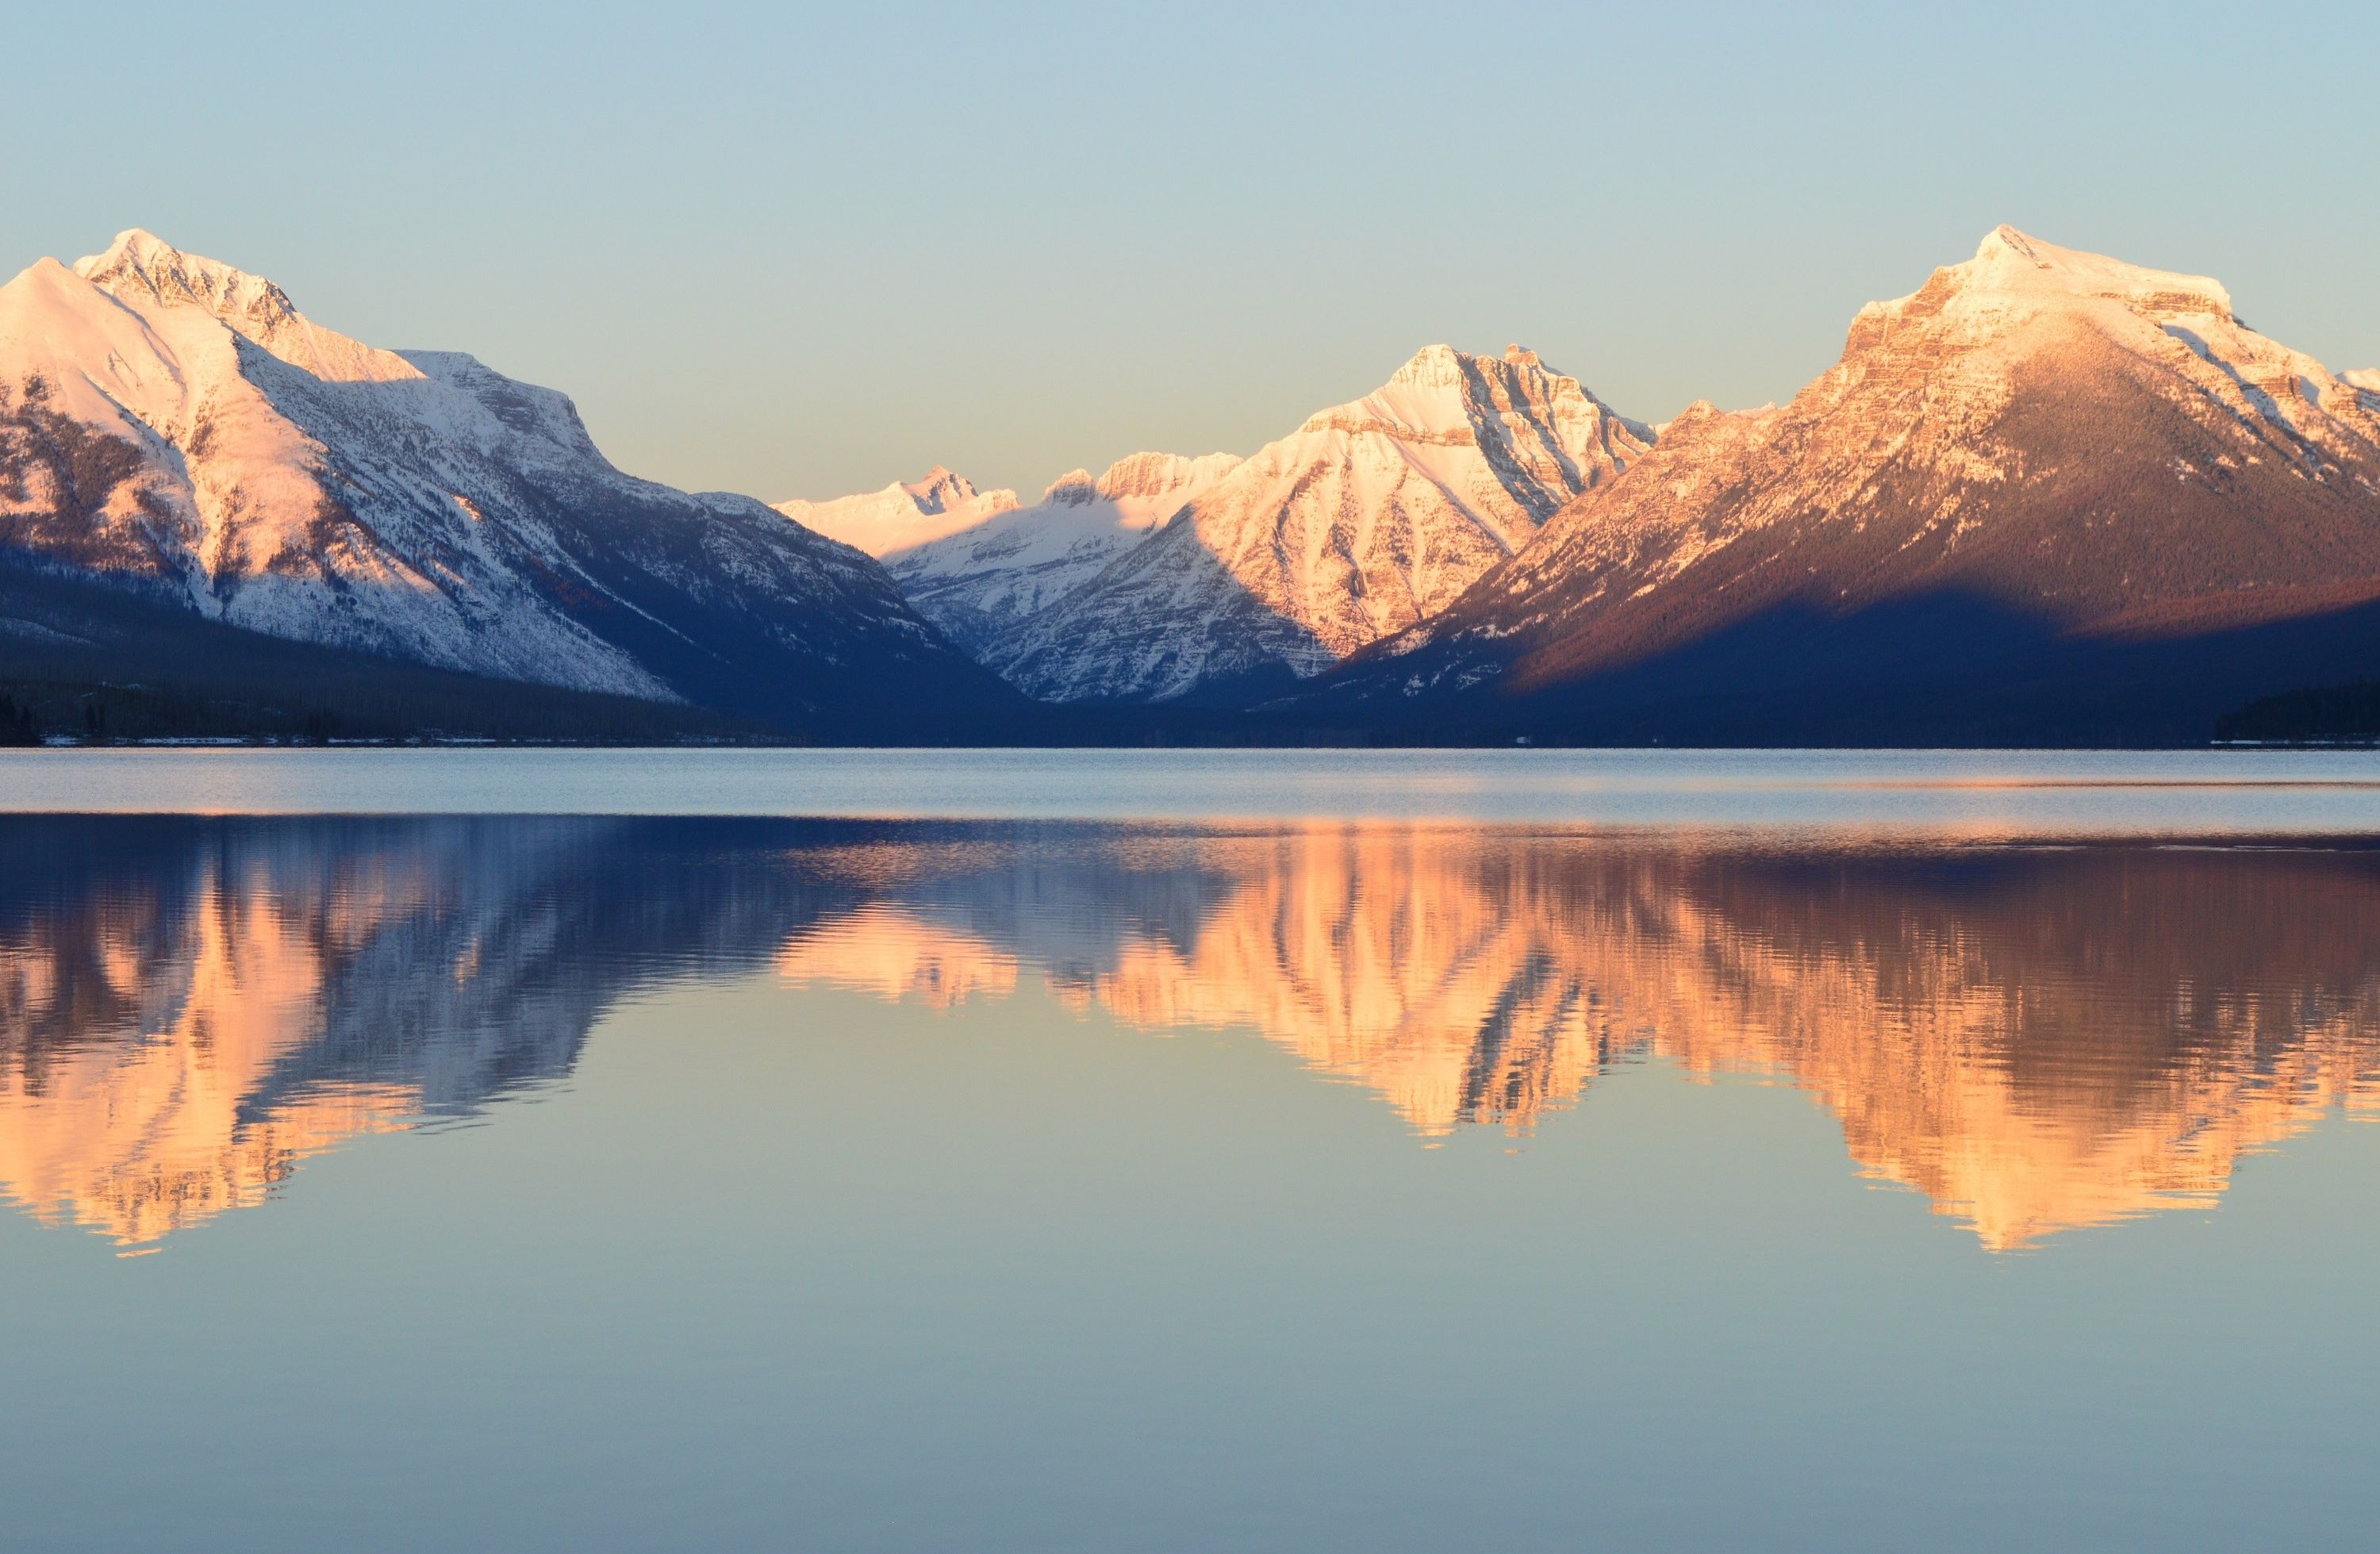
[{"x": 1165, "y": 1150}]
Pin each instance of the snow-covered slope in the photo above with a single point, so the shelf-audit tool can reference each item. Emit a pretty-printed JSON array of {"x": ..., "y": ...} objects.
[
  {"x": 171, "y": 423},
  {"x": 2038, "y": 451},
  {"x": 1368, "y": 519},
  {"x": 903, "y": 516},
  {"x": 995, "y": 576}
]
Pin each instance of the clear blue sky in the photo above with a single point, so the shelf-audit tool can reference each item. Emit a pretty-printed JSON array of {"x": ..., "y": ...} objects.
[{"x": 798, "y": 251}]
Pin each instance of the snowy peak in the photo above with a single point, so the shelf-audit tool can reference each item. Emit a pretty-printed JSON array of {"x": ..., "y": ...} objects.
[
  {"x": 1447, "y": 396},
  {"x": 1370, "y": 517},
  {"x": 1140, "y": 478},
  {"x": 1074, "y": 489},
  {"x": 1158, "y": 475},
  {"x": 903, "y": 516},
  {"x": 2100, "y": 449},
  {"x": 2016, "y": 280},
  {"x": 149, "y": 274},
  {"x": 2009, "y": 261},
  {"x": 173, "y": 422},
  {"x": 941, "y": 507},
  {"x": 982, "y": 583},
  {"x": 2024, "y": 309},
  {"x": 142, "y": 263},
  {"x": 938, "y": 490}
]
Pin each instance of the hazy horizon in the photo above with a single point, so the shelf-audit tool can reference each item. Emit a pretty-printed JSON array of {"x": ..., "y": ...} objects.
[{"x": 806, "y": 257}]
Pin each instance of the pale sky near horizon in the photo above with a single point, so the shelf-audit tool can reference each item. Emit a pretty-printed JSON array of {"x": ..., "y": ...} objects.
[{"x": 808, "y": 250}]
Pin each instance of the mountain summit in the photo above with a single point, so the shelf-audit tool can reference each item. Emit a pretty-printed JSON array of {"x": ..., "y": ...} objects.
[
  {"x": 2045, "y": 491},
  {"x": 980, "y": 583},
  {"x": 903, "y": 516},
  {"x": 174, "y": 428},
  {"x": 1368, "y": 519}
]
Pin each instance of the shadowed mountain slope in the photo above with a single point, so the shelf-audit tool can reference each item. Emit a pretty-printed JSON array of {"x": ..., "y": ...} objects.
[
  {"x": 177, "y": 427},
  {"x": 1367, "y": 520},
  {"x": 2048, "y": 494}
]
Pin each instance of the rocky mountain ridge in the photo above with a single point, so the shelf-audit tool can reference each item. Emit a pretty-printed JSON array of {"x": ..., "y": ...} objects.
[
  {"x": 985, "y": 582},
  {"x": 2042, "y": 475},
  {"x": 903, "y": 516},
  {"x": 1368, "y": 519}
]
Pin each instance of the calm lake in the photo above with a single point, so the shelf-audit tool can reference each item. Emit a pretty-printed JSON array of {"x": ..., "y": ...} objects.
[{"x": 1183, "y": 1150}]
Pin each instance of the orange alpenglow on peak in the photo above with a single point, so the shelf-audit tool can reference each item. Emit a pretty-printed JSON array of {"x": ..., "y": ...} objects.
[
  {"x": 2038, "y": 454},
  {"x": 903, "y": 516}
]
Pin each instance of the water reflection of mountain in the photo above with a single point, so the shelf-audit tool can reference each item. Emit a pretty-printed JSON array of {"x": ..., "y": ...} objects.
[
  {"x": 2036, "y": 1039},
  {"x": 189, "y": 1007}
]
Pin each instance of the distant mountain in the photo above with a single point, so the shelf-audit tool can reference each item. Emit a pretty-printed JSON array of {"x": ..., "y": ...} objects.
[
  {"x": 903, "y": 516},
  {"x": 982, "y": 582},
  {"x": 1370, "y": 517},
  {"x": 2048, "y": 496},
  {"x": 175, "y": 428}
]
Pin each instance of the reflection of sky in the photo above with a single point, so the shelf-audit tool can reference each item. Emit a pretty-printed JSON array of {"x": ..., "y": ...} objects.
[
  {"x": 892, "y": 1279},
  {"x": 1976, "y": 793}
]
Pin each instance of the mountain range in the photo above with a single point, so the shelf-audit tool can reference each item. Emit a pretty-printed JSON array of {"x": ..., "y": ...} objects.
[
  {"x": 2046, "y": 494},
  {"x": 2046, "y": 497}
]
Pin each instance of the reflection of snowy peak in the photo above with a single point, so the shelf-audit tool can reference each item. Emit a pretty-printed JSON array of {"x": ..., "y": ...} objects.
[
  {"x": 173, "y": 424},
  {"x": 903, "y": 516},
  {"x": 1368, "y": 519},
  {"x": 996, "y": 575},
  {"x": 190, "y": 1007}
]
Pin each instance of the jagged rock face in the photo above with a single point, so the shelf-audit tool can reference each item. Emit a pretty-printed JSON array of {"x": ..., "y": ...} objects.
[
  {"x": 2091, "y": 449},
  {"x": 1370, "y": 517},
  {"x": 172, "y": 423},
  {"x": 903, "y": 516},
  {"x": 983, "y": 582}
]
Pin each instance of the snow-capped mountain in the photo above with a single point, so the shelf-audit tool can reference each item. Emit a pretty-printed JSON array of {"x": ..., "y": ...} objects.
[
  {"x": 903, "y": 516},
  {"x": 992, "y": 577},
  {"x": 175, "y": 425},
  {"x": 2045, "y": 486},
  {"x": 1371, "y": 517}
]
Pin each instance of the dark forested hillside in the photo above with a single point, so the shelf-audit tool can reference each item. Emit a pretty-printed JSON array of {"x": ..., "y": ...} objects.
[{"x": 83, "y": 660}]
